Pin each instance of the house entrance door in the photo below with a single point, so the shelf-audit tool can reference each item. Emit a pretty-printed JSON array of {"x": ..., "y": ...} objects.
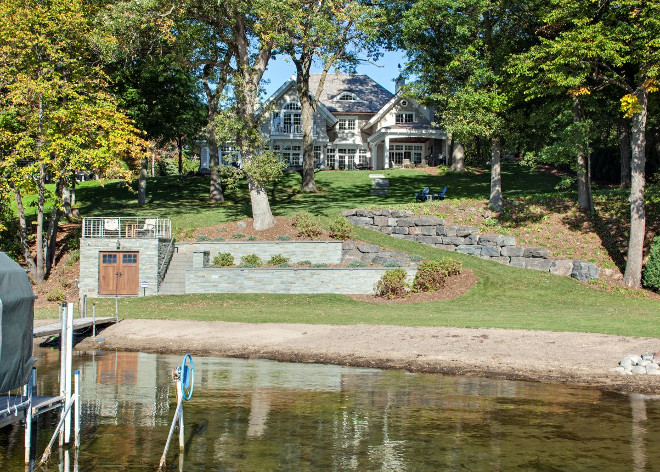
[{"x": 118, "y": 273}]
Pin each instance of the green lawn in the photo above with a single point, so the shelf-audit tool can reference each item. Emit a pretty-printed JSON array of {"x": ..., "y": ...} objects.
[{"x": 505, "y": 297}]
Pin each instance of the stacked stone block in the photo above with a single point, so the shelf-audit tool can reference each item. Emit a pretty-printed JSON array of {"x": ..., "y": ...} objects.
[{"x": 403, "y": 224}]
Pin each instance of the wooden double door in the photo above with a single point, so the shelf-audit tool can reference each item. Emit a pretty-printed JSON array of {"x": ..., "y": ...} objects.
[{"x": 119, "y": 273}]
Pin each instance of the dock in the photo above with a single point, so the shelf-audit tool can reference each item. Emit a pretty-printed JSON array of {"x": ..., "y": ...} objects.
[
  {"x": 13, "y": 409},
  {"x": 78, "y": 323}
]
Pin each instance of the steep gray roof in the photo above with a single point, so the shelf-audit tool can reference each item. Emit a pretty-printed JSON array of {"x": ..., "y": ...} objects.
[{"x": 372, "y": 96}]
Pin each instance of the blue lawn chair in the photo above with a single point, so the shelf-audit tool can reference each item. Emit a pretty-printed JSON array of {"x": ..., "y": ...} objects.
[
  {"x": 424, "y": 195},
  {"x": 441, "y": 195}
]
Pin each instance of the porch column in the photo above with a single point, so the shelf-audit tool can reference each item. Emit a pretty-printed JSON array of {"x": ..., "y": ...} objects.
[
  {"x": 386, "y": 153},
  {"x": 372, "y": 149}
]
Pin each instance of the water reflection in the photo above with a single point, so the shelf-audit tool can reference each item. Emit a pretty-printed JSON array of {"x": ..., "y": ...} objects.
[{"x": 268, "y": 416}]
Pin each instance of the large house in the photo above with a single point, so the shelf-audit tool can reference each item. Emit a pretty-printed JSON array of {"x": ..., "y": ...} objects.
[{"x": 358, "y": 125}]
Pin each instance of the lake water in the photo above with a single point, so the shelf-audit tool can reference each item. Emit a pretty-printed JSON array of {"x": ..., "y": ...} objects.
[{"x": 248, "y": 415}]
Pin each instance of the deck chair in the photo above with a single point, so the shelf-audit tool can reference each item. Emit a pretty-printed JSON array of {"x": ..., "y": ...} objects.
[
  {"x": 148, "y": 228},
  {"x": 441, "y": 195},
  {"x": 110, "y": 227},
  {"x": 423, "y": 195}
]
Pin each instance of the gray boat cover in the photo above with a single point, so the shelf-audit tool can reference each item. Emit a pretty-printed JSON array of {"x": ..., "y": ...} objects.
[{"x": 16, "y": 318}]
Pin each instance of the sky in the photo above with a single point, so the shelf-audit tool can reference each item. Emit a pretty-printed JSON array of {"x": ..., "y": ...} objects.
[{"x": 384, "y": 71}]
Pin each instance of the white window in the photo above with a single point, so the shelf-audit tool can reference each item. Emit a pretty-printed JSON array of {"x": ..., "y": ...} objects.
[
  {"x": 347, "y": 97},
  {"x": 346, "y": 124},
  {"x": 331, "y": 158},
  {"x": 291, "y": 119},
  {"x": 405, "y": 118},
  {"x": 318, "y": 155},
  {"x": 292, "y": 155},
  {"x": 230, "y": 154},
  {"x": 412, "y": 152}
]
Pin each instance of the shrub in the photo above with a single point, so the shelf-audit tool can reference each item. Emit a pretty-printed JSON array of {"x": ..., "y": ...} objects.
[
  {"x": 252, "y": 238},
  {"x": 319, "y": 265},
  {"x": 341, "y": 229},
  {"x": 307, "y": 225},
  {"x": 278, "y": 259},
  {"x": 218, "y": 239},
  {"x": 283, "y": 237},
  {"x": 356, "y": 264},
  {"x": 284, "y": 265},
  {"x": 305, "y": 263},
  {"x": 202, "y": 237},
  {"x": 392, "y": 264},
  {"x": 392, "y": 284},
  {"x": 416, "y": 257},
  {"x": 251, "y": 260},
  {"x": 237, "y": 236},
  {"x": 223, "y": 259},
  {"x": 74, "y": 256},
  {"x": 56, "y": 295},
  {"x": 651, "y": 274},
  {"x": 432, "y": 275}
]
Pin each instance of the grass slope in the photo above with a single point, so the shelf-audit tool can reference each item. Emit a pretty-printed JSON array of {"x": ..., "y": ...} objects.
[{"x": 505, "y": 297}]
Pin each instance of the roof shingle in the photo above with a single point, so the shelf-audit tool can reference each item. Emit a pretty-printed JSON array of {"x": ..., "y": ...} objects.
[{"x": 372, "y": 96}]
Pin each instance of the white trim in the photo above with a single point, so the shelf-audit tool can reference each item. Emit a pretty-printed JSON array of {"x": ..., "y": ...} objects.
[
  {"x": 387, "y": 107},
  {"x": 385, "y": 132}
]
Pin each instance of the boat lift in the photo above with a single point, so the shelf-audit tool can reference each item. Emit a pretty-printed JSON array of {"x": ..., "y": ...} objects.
[
  {"x": 185, "y": 382},
  {"x": 29, "y": 405}
]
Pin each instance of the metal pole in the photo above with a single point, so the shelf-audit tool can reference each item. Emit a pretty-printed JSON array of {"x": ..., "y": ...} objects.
[
  {"x": 69, "y": 364},
  {"x": 63, "y": 345},
  {"x": 76, "y": 394},
  {"x": 28, "y": 416},
  {"x": 116, "y": 308},
  {"x": 179, "y": 409},
  {"x": 94, "y": 318},
  {"x": 85, "y": 305},
  {"x": 179, "y": 397}
]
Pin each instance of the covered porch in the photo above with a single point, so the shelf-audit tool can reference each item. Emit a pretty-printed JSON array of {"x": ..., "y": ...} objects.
[{"x": 399, "y": 147}]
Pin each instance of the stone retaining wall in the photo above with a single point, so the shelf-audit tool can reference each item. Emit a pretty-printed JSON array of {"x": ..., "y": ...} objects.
[
  {"x": 433, "y": 231},
  {"x": 318, "y": 252},
  {"x": 284, "y": 280}
]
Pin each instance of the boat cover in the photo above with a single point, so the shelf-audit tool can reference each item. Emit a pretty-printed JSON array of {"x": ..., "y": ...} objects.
[{"x": 16, "y": 318}]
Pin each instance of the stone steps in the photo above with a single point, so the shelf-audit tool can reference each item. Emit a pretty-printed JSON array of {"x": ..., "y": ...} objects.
[{"x": 174, "y": 281}]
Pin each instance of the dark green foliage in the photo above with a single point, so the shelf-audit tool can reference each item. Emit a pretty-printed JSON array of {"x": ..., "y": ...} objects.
[
  {"x": 393, "y": 284},
  {"x": 278, "y": 260},
  {"x": 223, "y": 259},
  {"x": 202, "y": 237},
  {"x": 355, "y": 264},
  {"x": 432, "y": 275},
  {"x": 251, "y": 260},
  {"x": 341, "y": 229},
  {"x": 307, "y": 225},
  {"x": 237, "y": 236},
  {"x": 283, "y": 237},
  {"x": 651, "y": 275}
]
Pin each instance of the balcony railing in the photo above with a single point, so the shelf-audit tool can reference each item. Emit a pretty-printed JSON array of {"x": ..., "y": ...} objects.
[{"x": 127, "y": 227}]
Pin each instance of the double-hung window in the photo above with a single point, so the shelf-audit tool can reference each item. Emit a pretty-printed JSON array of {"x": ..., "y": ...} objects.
[{"x": 405, "y": 118}]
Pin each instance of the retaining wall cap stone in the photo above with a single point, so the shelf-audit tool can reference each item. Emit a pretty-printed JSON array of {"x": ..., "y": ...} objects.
[
  {"x": 368, "y": 248},
  {"x": 466, "y": 230}
]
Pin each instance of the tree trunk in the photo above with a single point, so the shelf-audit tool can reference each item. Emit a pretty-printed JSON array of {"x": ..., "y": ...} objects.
[
  {"x": 261, "y": 213},
  {"x": 22, "y": 231},
  {"x": 65, "y": 194},
  {"x": 51, "y": 240},
  {"x": 142, "y": 184},
  {"x": 215, "y": 195},
  {"x": 179, "y": 145},
  {"x": 633, "y": 274},
  {"x": 39, "y": 257},
  {"x": 624, "y": 150},
  {"x": 458, "y": 158},
  {"x": 496, "y": 200},
  {"x": 584, "y": 189},
  {"x": 307, "y": 116}
]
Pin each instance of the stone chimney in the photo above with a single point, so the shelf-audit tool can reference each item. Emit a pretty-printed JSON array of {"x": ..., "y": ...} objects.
[{"x": 398, "y": 83}]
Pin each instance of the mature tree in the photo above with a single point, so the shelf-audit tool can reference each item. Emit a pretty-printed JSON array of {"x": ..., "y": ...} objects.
[
  {"x": 333, "y": 33},
  {"x": 587, "y": 46},
  {"x": 56, "y": 115},
  {"x": 459, "y": 51},
  {"x": 195, "y": 35}
]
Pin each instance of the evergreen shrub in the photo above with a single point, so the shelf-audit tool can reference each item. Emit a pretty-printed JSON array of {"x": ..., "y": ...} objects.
[{"x": 651, "y": 274}]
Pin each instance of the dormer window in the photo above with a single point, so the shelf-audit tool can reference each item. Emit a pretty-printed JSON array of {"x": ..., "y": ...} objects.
[
  {"x": 347, "y": 97},
  {"x": 405, "y": 118}
]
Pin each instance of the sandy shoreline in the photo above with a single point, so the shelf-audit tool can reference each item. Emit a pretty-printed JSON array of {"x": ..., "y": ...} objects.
[{"x": 578, "y": 359}]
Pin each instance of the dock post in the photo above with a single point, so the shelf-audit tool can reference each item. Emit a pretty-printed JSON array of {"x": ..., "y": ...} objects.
[
  {"x": 28, "y": 391},
  {"x": 179, "y": 396},
  {"x": 94, "y": 319},
  {"x": 63, "y": 344},
  {"x": 76, "y": 394},
  {"x": 67, "y": 380}
]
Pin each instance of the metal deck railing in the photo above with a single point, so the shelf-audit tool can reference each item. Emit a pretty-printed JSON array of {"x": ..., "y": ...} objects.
[{"x": 126, "y": 227}]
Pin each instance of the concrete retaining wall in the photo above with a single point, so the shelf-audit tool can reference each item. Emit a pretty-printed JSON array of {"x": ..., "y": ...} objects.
[
  {"x": 318, "y": 252},
  {"x": 285, "y": 280},
  {"x": 431, "y": 230}
]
